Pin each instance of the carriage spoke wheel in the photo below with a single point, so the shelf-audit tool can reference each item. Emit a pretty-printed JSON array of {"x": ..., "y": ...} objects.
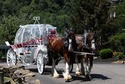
[
  {"x": 11, "y": 57},
  {"x": 40, "y": 63}
]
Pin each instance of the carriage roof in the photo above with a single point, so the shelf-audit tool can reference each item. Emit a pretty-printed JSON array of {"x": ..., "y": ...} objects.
[
  {"x": 36, "y": 25},
  {"x": 32, "y": 31}
]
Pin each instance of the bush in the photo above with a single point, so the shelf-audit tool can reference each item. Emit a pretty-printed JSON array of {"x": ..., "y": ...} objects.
[
  {"x": 117, "y": 41},
  {"x": 106, "y": 53},
  {"x": 118, "y": 55}
]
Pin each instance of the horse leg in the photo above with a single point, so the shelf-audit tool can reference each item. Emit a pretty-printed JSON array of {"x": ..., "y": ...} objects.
[
  {"x": 66, "y": 75},
  {"x": 82, "y": 65},
  {"x": 91, "y": 63},
  {"x": 54, "y": 71},
  {"x": 88, "y": 66},
  {"x": 77, "y": 66}
]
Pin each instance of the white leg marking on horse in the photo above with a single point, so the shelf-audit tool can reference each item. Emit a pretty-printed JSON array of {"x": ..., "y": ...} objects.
[
  {"x": 55, "y": 75},
  {"x": 69, "y": 48},
  {"x": 77, "y": 67},
  {"x": 67, "y": 68},
  {"x": 93, "y": 45},
  {"x": 77, "y": 70},
  {"x": 66, "y": 74}
]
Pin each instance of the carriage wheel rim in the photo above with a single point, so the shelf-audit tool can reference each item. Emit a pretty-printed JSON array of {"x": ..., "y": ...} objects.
[
  {"x": 11, "y": 58},
  {"x": 40, "y": 64}
]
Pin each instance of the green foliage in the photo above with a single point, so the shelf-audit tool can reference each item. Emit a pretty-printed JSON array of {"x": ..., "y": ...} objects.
[
  {"x": 17, "y": 12},
  {"x": 118, "y": 55},
  {"x": 9, "y": 26},
  {"x": 120, "y": 18},
  {"x": 90, "y": 14},
  {"x": 105, "y": 53},
  {"x": 93, "y": 15},
  {"x": 117, "y": 41},
  {"x": 78, "y": 14}
]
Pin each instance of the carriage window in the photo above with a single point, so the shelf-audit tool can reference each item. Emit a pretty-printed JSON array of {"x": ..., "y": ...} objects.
[
  {"x": 27, "y": 35},
  {"x": 18, "y": 37},
  {"x": 43, "y": 31},
  {"x": 35, "y": 33}
]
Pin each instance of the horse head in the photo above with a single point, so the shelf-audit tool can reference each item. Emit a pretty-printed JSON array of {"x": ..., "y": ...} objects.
[
  {"x": 89, "y": 40},
  {"x": 76, "y": 42},
  {"x": 70, "y": 39}
]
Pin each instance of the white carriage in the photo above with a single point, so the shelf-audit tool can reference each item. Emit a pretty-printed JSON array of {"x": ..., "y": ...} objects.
[{"x": 30, "y": 45}]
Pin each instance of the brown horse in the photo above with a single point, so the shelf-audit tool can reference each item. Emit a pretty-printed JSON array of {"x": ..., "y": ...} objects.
[
  {"x": 84, "y": 49},
  {"x": 56, "y": 51}
]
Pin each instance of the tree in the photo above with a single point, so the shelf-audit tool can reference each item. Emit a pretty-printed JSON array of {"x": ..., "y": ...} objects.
[
  {"x": 93, "y": 15},
  {"x": 120, "y": 16},
  {"x": 78, "y": 14},
  {"x": 20, "y": 12},
  {"x": 117, "y": 41},
  {"x": 9, "y": 26}
]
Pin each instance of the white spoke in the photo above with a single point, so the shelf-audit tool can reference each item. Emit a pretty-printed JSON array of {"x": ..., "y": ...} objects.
[
  {"x": 40, "y": 62},
  {"x": 11, "y": 57}
]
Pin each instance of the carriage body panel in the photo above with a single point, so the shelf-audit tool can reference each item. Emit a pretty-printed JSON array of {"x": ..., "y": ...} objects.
[{"x": 30, "y": 39}]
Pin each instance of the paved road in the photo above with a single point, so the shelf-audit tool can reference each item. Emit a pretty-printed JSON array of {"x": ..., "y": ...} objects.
[{"x": 101, "y": 74}]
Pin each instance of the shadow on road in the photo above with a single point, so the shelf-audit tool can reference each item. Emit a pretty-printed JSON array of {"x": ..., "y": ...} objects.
[
  {"x": 47, "y": 71},
  {"x": 100, "y": 76},
  {"x": 94, "y": 76}
]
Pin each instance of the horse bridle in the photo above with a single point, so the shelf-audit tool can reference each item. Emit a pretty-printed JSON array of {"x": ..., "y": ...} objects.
[
  {"x": 86, "y": 41},
  {"x": 70, "y": 37}
]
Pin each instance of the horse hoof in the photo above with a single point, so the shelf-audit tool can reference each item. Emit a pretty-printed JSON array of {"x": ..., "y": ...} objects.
[
  {"x": 88, "y": 77},
  {"x": 68, "y": 80},
  {"x": 83, "y": 74},
  {"x": 78, "y": 73},
  {"x": 69, "y": 77},
  {"x": 56, "y": 76}
]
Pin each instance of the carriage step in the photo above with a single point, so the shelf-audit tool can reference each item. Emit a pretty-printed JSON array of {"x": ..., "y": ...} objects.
[
  {"x": 28, "y": 53},
  {"x": 21, "y": 53},
  {"x": 25, "y": 53}
]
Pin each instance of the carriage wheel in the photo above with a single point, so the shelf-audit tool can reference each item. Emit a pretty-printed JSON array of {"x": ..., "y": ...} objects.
[
  {"x": 40, "y": 62},
  {"x": 70, "y": 67},
  {"x": 11, "y": 57}
]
